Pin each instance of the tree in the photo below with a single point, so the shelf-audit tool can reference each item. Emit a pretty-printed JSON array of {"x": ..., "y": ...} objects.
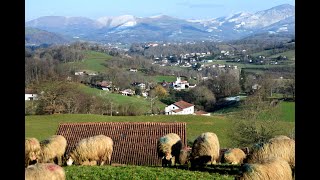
[
  {"x": 203, "y": 97},
  {"x": 160, "y": 91},
  {"x": 256, "y": 122}
]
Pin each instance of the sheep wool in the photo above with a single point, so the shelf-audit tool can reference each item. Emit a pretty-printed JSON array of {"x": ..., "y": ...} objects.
[
  {"x": 168, "y": 148},
  {"x": 44, "y": 171},
  {"x": 271, "y": 168},
  {"x": 53, "y": 147},
  {"x": 97, "y": 148},
  {"x": 278, "y": 147},
  {"x": 205, "y": 149},
  {"x": 234, "y": 156},
  {"x": 32, "y": 150}
]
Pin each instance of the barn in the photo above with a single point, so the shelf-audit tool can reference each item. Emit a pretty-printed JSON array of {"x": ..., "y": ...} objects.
[{"x": 135, "y": 143}]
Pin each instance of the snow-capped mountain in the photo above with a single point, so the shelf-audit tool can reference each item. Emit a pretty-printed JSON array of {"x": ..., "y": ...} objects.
[{"x": 128, "y": 28}]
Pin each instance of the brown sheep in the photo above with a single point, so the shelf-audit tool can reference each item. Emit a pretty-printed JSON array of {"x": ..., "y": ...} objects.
[
  {"x": 45, "y": 171},
  {"x": 168, "y": 148},
  {"x": 205, "y": 149},
  {"x": 233, "y": 156},
  {"x": 53, "y": 148},
  {"x": 96, "y": 148},
  {"x": 32, "y": 150},
  {"x": 271, "y": 168}
]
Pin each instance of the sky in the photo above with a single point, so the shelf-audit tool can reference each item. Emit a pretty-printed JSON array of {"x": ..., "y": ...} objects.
[{"x": 184, "y": 9}]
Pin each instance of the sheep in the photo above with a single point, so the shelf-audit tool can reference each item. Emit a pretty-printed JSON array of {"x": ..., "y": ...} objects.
[
  {"x": 53, "y": 148},
  {"x": 96, "y": 148},
  {"x": 32, "y": 150},
  {"x": 45, "y": 171},
  {"x": 233, "y": 156},
  {"x": 279, "y": 137},
  {"x": 184, "y": 155},
  {"x": 205, "y": 149},
  {"x": 279, "y": 147},
  {"x": 271, "y": 168},
  {"x": 168, "y": 148}
]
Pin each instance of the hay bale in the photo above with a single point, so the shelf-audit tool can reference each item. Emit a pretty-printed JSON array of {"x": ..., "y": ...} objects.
[
  {"x": 168, "y": 148},
  {"x": 44, "y": 171},
  {"x": 233, "y": 156},
  {"x": 53, "y": 148},
  {"x": 205, "y": 149},
  {"x": 32, "y": 150},
  {"x": 271, "y": 168},
  {"x": 95, "y": 150},
  {"x": 278, "y": 147}
]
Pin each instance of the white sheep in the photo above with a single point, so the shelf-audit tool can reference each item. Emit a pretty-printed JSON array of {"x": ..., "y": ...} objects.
[{"x": 88, "y": 150}]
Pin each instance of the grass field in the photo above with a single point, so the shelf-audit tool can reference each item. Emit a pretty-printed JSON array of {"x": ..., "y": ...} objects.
[
  {"x": 164, "y": 78},
  {"x": 289, "y": 54},
  {"x": 137, "y": 172},
  {"x": 42, "y": 126},
  {"x": 286, "y": 111},
  {"x": 92, "y": 62},
  {"x": 144, "y": 104}
]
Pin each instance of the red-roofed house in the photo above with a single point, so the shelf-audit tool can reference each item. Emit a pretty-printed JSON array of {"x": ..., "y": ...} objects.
[{"x": 180, "y": 107}]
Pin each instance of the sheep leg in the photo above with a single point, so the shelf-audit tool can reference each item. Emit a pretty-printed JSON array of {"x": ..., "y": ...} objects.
[{"x": 59, "y": 160}]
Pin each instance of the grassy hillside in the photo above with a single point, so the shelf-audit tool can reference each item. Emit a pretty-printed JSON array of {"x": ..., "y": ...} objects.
[
  {"x": 289, "y": 54},
  {"x": 164, "y": 78},
  {"x": 137, "y": 172},
  {"x": 286, "y": 111},
  {"x": 42, "y": 126},
  {"x": 144, "y": 104},
  {"x": 93, "y": 61}
]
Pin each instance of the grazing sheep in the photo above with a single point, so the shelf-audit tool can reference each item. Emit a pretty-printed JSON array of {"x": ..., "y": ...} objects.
[
  {"x": 96, "y": 148},
  {"x": 45, "y": 171},
  {"x": 279, "y": 137},
  {"x": 32, "y": 150},
  {"x": 52, "y": 148},
  {"x": 272, "y": 168},
  {"x": 168, "y": 148},
  {"x": 278, "y": 147},
  {"x": 184, "y": 155},
  {"x": 233, "y": 156},
  {"x": 205, "y": 149}
]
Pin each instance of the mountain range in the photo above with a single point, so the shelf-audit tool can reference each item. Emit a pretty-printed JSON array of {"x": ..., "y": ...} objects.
[{"x": 128, "y": 28}]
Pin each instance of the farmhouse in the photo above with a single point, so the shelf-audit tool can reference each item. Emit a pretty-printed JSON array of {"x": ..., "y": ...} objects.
[
  {"x": 127, "y": 92},
  {"x": 179, "y": 84},
  {"x": 135, "y": 143},
  {"x": 180, "y": 107},
  {"x": 30, "y": 95}
]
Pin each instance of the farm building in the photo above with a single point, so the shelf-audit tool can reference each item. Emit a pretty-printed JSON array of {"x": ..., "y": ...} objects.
[
  {"x": 30, "y": 95},
  {"x": 180, "y": 107},
  {"x": 135, "y": 143}
]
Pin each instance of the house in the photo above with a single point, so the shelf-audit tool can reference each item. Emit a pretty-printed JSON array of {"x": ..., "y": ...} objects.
[
  {"x": 127, "y": 92},
  {"x": 133, "y": 69},
  {"x": 179, "y": 108},
  {"x": 30, "y": 95},
  {"x": 178, "y": 85}
]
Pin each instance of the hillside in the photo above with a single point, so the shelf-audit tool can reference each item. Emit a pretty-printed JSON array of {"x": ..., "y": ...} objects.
[
  {"x": 93, "y": 62},
  {"x": 37, "y": 37}
]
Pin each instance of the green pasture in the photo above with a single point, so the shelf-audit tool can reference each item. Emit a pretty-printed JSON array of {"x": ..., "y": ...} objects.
[{"x": 42, "y": 126}]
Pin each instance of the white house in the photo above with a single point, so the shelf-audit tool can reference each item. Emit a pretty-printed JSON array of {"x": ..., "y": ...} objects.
[
  {"x": 127, "y": 92},
  {"x": 30, "y": 95},
  {"x": 178, "y": 85},
  {"x": 133, "y": 69},
  {"x": 179, "y": 108}
]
